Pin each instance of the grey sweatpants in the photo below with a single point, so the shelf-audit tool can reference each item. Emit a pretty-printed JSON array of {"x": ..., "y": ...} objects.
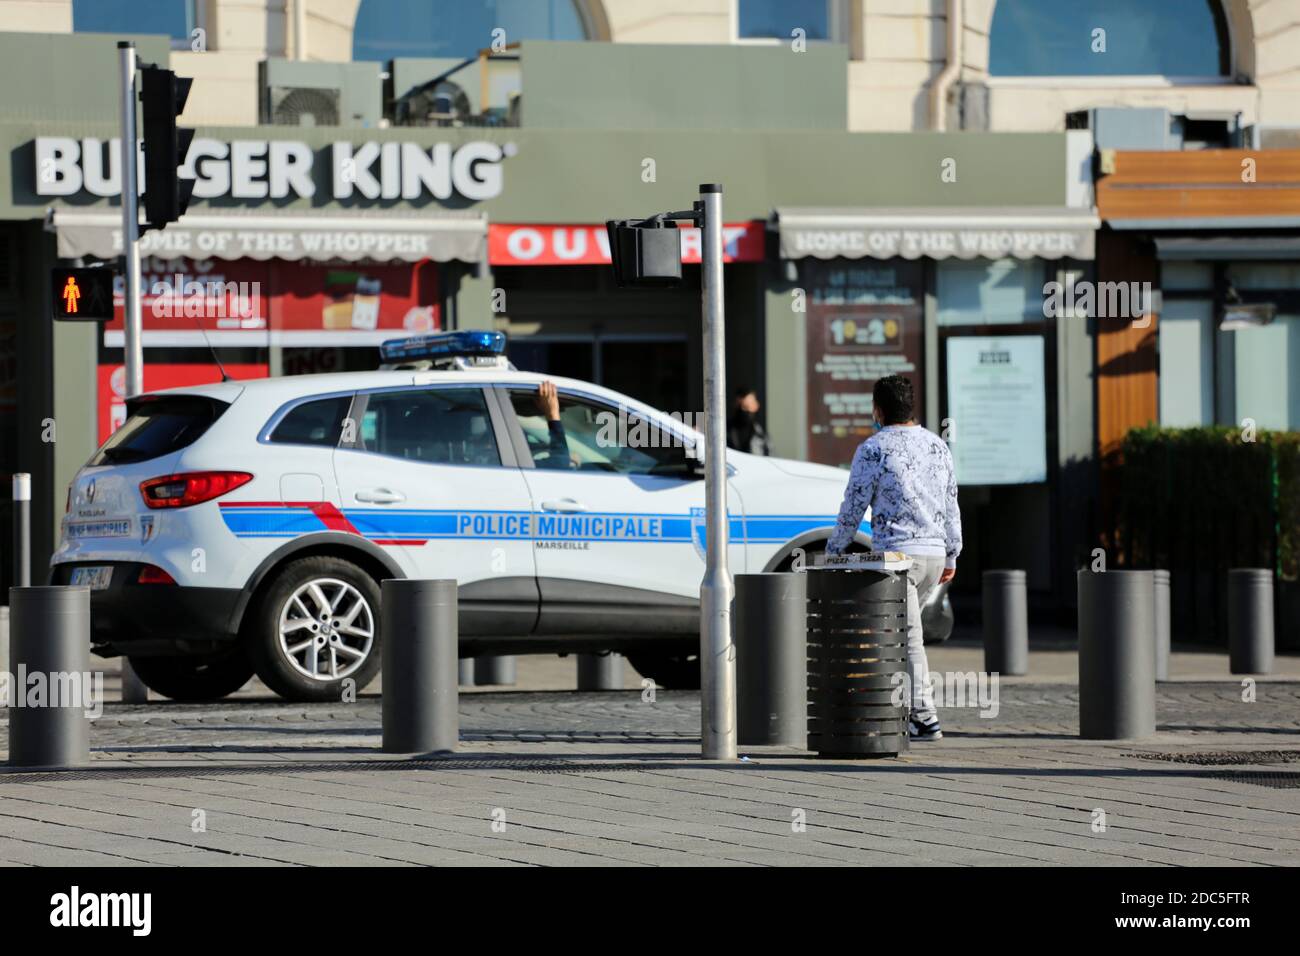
[{"x": 922, "y": 578}]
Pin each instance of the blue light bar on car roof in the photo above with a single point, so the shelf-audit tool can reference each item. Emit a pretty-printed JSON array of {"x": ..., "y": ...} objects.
[{"x": 443, "y": 345}]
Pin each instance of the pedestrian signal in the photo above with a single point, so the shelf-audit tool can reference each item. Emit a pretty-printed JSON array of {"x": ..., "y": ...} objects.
[{"x": 82, "y": 295}]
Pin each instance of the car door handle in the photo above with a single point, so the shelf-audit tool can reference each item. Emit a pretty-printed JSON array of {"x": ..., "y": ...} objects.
[
  {"x": 380, "y": 496},
  {"x": 567, "y": 505}
]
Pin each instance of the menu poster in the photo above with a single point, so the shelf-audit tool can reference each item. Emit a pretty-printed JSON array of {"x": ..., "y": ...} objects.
[
  {"x": 864, "y": 322},
  {"x": 997, "y": 404}
]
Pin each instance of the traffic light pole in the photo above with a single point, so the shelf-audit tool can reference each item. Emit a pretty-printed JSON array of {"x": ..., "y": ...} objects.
[
  {"x": 717, "y": 654},
  {"x": 133, "y": 690},
  {"x": 134, "y": 349}
]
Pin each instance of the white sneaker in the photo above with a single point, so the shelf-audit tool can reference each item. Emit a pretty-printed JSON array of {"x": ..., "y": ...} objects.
[{"x": 926, "y": 728}]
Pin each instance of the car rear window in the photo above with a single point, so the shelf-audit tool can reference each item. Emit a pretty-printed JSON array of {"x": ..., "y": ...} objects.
[
  {"x": 313, "y": 423},
  {"x": 157, "y": 426}
]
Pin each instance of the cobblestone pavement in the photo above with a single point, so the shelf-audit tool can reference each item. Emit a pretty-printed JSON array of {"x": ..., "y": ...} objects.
[{"x": 609, "y": 778}]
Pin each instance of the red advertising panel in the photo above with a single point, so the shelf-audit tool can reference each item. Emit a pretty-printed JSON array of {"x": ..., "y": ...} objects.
[
  {"x": 318, "y": 298},
  {"x": 112, "y": 386},
  {"x": 310, "y": 304},
  {"x": 548, "y": 245},
  {"x": 864, "y": 322},
  {"x": 184, "y": 295}
]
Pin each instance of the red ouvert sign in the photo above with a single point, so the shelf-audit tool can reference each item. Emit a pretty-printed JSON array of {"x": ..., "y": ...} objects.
[{"x": 583, "y": 245}]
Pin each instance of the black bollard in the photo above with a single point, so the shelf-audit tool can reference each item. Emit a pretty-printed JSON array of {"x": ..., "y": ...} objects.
[
  {"x": 600, "y": 671},
  {"x": 1250, "y": 621},
  {"x": 51, "y": 684},
  {"x": 1006, "y": 622},
  {"x": 1117, "y": 687},
  {"x": 419, "y": 632},
  {"x": 771, "y": 659},
  {"x": 494, "y": 669},
  {"x": 1160, "y": 581}
]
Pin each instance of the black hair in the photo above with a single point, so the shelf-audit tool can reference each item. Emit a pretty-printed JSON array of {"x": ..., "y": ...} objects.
[
  {"x": 893, "y": 396},
  {"x": 742, "y": 391}
]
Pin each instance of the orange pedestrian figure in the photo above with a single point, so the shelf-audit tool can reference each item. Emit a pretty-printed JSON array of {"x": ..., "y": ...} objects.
[{"x": 70, "y": 295}]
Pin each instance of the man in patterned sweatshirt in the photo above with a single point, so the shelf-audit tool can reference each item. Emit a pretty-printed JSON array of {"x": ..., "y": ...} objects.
[{"x": 904, "y": 474}]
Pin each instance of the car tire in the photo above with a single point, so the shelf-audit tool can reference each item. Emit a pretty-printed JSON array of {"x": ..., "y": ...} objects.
[
  {"x": 669, "y": 671},
  {"x": 292, "y": 636},
  {"x": 194, "y": 679}
]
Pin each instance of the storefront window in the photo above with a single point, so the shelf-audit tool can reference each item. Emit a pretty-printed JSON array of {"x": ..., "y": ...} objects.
[
  {"x": 458, "y": 29},
  {"x": 1186, "y": 342},
  {"x": 1108, "y": 38},
  {"x": 1264, "y": 359},
  {"x": 173, "y": 18},
  {"x": 989, "y": 292}
]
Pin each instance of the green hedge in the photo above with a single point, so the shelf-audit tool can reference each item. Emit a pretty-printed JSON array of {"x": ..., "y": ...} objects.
[{"x": 1203, "y": 498}]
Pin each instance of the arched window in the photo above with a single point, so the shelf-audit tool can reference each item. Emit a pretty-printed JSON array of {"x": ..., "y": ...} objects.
[
  {"x": 1177, "y": 38},
  {"x": 386, "y": 29},
  {"x": 173, "y": 18}
]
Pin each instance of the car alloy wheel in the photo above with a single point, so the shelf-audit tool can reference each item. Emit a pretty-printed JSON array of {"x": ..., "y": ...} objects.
[{"x": 327, "y": 629}]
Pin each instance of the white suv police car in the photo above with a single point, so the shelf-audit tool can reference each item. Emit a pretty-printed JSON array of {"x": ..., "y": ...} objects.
[{"x": 245, "y": 526}]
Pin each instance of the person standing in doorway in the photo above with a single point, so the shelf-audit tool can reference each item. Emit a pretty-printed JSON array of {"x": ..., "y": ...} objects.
[
  {"x": 744, "y": 431},
  {"x": 904, "y": 473}
]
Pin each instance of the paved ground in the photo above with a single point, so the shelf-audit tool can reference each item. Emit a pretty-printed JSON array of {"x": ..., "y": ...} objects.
[{"x": 546, "y": 777}]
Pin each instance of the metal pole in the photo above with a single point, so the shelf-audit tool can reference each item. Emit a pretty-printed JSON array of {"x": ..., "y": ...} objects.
[
  {"x": 771, "y": 659},
  {"x": 465, "y": 671},
  {"x": 133, "y": 689},
  {"x": 1006, "y": 622},
  {"x": 134, "y": 349},
  {"x": 421, "y": 702},
  {"x": 495, "y": 670},
  {"x": 600, "y": 671},
  {"x": 22, "y": 529},
  {"x": 1250, "y": 620},
  {"x": 51, "y": 638},
  {"x": 1160, "y": 580},
  {"x": 1117, "y": 683},
  {"x": 717, "y": 656}
]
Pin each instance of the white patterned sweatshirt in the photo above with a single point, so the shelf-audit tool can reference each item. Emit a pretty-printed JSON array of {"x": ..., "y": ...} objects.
[{"x": 904, "y": 474}]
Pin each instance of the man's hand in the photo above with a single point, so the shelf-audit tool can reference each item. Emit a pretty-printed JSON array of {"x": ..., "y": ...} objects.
[
  {"x": 548, "y": 401},
  {"x": 948, "y": 575}
]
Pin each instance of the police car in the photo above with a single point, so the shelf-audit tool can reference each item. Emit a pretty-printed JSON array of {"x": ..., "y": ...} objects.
[{"x": 245, "y": 526}]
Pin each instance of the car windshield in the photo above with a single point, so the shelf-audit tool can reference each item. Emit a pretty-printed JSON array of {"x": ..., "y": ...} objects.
[{"x": 158, "y": 426}]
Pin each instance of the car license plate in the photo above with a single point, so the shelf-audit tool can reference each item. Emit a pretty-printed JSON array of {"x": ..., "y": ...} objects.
[
  {"x": 99, "y": 529},
  {"x": 96, "y": 578}
]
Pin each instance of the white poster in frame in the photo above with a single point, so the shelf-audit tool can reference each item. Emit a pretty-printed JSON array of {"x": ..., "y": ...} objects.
[{"x": 997, "y": 409}]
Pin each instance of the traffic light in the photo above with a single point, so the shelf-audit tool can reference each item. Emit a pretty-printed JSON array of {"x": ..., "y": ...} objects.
[
  {"x": 645, "y": 252},
  {"x": 82, "y": 295},
  {"x": 166, "y": 193}
]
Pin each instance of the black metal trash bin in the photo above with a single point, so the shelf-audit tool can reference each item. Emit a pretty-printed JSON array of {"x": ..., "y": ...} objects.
[{"x": 857, "y": 648}]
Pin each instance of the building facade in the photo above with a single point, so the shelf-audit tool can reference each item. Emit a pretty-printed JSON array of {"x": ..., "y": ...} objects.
[{"x": 903, "y": 184}]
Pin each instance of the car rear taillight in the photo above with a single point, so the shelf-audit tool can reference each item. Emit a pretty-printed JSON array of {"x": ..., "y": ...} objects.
[
  {"x": 152, "y": 574},
  {"x": 191, "y": 488}
]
